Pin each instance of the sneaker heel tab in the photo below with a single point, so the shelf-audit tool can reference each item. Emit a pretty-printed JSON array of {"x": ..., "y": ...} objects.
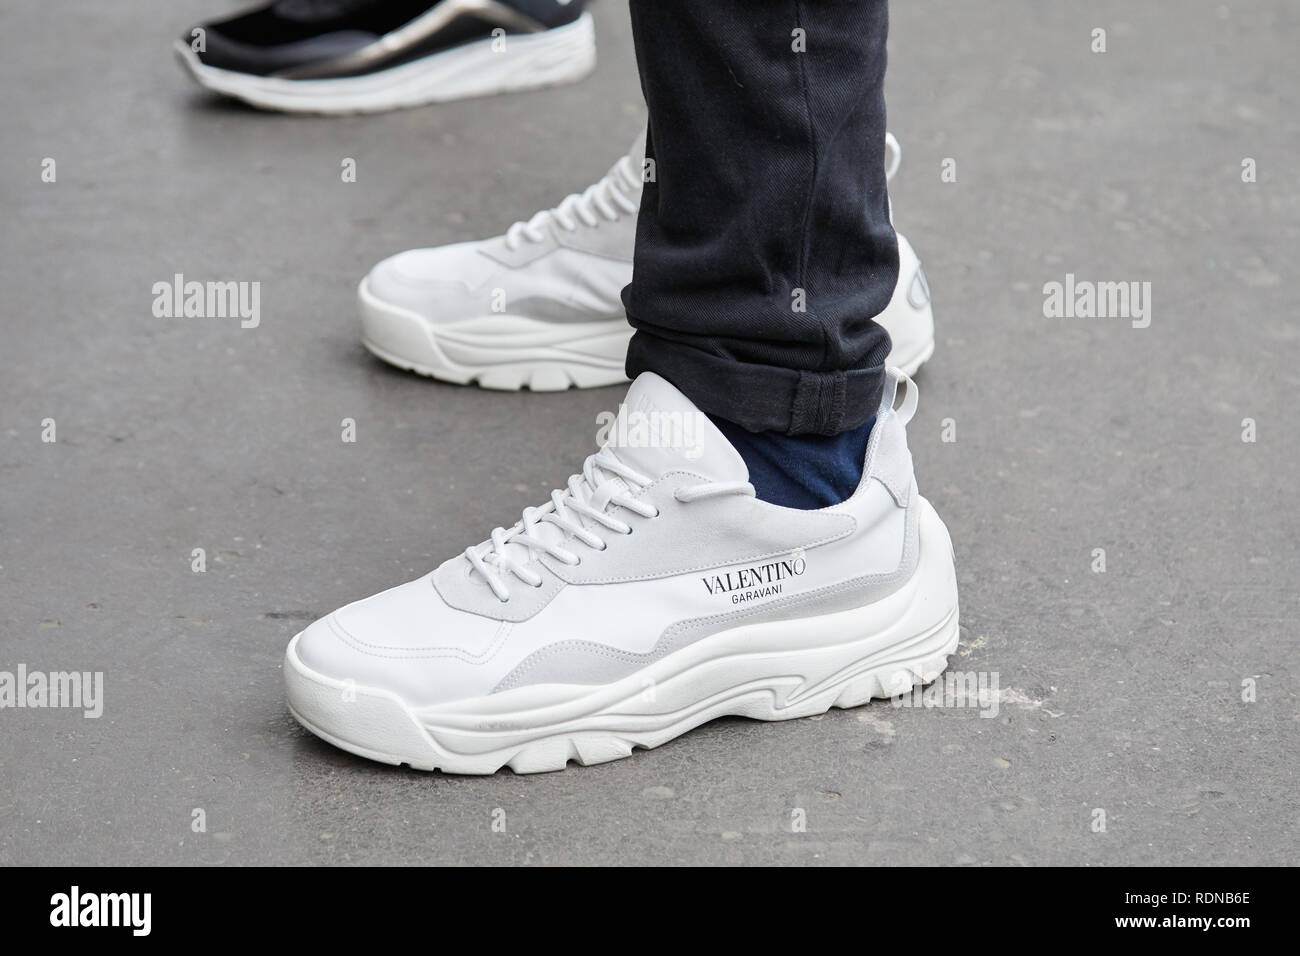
[
  {"x": 893, "y": 156},
  {"x": 893, "y": 378},
  {"x": 889, "y": 460}
]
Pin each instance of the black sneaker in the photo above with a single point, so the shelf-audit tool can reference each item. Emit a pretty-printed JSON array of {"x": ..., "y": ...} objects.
[{"x": 361, "y": 56}]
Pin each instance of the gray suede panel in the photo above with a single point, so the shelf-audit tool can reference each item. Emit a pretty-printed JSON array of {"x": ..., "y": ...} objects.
[{"x": 589, "y": 662}]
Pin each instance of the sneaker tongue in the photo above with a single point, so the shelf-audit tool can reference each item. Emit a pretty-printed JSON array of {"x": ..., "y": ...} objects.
[{"x": 658, "y": 430}]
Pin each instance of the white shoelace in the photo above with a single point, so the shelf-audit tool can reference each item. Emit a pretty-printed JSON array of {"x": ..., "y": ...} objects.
[
  {"x": 608, "y": 198},
  {"x": 604, "y": 481}
]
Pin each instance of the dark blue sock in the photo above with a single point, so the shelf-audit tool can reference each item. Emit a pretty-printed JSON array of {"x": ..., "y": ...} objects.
[{"x": 800, "y": 471}]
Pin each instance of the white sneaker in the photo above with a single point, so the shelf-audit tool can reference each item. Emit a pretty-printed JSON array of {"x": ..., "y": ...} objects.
[
  {"x": 651, "y": 595},
  {"x": 541, "y": 305}
]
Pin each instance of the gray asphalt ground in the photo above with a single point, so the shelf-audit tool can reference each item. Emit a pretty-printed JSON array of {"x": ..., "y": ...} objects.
[{"x": 1119, "y": 691}]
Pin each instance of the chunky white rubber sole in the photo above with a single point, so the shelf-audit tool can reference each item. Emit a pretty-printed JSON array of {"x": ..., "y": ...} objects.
[
  {"x": 511, "y": 352},
  {"x": 506, "y": 352},
  {"x": 559, "y": 55},
  {"x": 769, "y": 671}
]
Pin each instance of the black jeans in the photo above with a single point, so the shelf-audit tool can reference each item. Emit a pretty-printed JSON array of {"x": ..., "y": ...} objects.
[{"x": 763, "y": 246}]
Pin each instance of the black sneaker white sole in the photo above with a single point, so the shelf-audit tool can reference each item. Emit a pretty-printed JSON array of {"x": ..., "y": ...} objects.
[{"x": 552, "y": 57}]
